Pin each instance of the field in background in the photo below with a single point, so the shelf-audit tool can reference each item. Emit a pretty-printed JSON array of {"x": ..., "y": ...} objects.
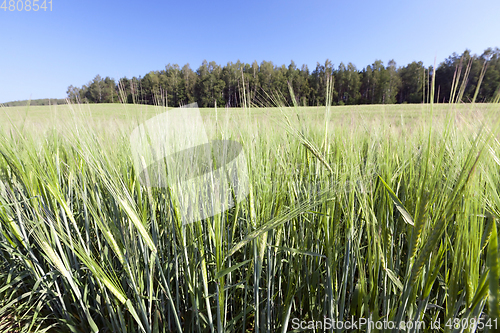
[
  {"x": 357, "y": 212},
  {"x": 112, "y": 116}
]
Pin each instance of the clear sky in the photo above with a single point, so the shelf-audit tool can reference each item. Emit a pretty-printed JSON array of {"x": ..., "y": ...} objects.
[{"x": 42, "y": 53}]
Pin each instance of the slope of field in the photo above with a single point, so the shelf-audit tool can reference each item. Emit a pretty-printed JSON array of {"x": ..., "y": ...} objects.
[{"x": 117, "y": 115}]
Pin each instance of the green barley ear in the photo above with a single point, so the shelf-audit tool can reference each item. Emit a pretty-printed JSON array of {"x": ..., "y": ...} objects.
[
  {"x": 399, "y": 205},
  {"x": 493, "y": 264}
]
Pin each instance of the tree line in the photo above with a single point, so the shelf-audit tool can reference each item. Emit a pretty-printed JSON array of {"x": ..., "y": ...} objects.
[
  {"x": 37, "y": 102},
  {"x": 212, "y": 84}
]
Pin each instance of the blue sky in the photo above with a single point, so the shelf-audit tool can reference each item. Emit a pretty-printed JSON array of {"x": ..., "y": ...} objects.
[{"x": 42, "y": 53}]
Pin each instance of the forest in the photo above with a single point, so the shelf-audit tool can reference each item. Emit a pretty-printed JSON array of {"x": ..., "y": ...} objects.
[{"x": 215, "y": 85}]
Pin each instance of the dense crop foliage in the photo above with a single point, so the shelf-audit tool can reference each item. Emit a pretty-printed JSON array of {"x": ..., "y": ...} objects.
[{"x": 388, "y": 220}]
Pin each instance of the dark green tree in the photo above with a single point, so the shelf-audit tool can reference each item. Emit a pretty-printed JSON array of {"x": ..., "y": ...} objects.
[
  {"x": 412, "y": 82},
  {"x": 210, "y": 87}
]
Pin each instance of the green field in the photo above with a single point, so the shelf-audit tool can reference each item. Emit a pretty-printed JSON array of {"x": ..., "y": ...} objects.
[
  {"x": 380, "y": 212},
  {"x": 108, "y": 117}
]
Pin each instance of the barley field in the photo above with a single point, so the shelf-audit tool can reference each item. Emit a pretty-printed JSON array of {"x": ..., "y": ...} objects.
[{"x": 381, "y": 213}]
